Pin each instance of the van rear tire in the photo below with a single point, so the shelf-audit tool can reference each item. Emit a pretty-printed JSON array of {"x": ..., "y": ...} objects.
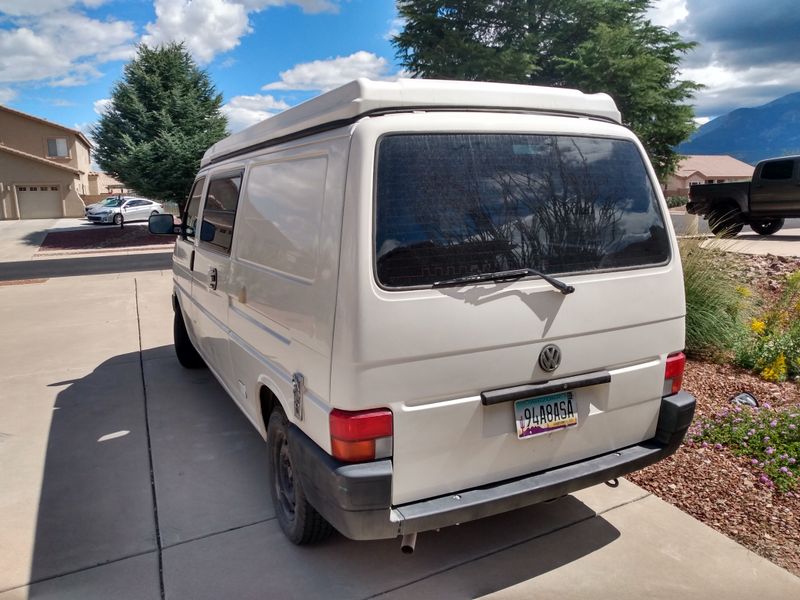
[
  {"x": 300, "y": 521},
  {"x": 184, "y": 349}
]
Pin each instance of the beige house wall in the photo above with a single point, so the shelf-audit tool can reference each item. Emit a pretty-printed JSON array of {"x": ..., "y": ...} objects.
[
  {"x": 30, "y": 135},
  {"x": 99, "y": 182},
  {"x": 679, "y": 186},
  {"x": 16, "y": 171}
]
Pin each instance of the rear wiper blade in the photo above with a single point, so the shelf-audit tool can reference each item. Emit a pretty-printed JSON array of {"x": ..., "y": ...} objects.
[{"x": 503, "y": 275}]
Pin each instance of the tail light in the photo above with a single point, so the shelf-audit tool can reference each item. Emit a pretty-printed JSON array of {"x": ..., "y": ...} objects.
[
  {"x": 361, "y": 435},
  {"x": 673, "y": 374}
]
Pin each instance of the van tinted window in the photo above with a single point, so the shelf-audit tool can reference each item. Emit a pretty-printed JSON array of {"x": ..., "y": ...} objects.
[
  {"x": 458, "y": 204},
  {"x": 219, "y": 212}
]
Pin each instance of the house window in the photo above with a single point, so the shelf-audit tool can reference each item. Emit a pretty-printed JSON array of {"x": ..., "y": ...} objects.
[
  {"x": 57, "y": 148},
  {"x": 22, "y": 188},
  {"x": 53, "y": 188}
]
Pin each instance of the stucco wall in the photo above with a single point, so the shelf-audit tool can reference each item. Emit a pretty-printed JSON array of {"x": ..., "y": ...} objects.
[
  {"x": 31, "y": 136},
  {"x": 16, "y": 171}
]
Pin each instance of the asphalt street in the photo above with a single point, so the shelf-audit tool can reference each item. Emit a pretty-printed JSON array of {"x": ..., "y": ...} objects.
[{"x": 84, "y": 265}]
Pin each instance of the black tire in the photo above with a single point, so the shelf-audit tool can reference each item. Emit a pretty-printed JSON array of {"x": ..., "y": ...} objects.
[
  {"x": 184, "y": 349},
  {"x": 767, "y": 227},
  {"x": 155, "y": 212},
  {"x": 300, "y": 522},
  {"x": 118, "y": 219},
  {"x": 726, "y": 223}
]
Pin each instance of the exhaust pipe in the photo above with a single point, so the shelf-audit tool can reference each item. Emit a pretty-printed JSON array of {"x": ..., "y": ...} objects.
[{"x": 408, "y": 542}]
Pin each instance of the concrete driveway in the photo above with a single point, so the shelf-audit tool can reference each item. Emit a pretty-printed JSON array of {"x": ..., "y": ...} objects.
[{"x": 125, "y": 476}]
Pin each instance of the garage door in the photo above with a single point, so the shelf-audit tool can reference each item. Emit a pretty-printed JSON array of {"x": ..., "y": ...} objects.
[{"x": 39, "y": 202}]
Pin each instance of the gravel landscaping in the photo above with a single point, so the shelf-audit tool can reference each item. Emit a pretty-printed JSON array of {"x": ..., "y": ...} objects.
[
  {"x": 709, "y": 481},
  {"x": 105, "y": 237}
]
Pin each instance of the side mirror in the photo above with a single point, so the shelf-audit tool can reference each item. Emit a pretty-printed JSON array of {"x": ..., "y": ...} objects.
[{"x": 163, "y": 224}]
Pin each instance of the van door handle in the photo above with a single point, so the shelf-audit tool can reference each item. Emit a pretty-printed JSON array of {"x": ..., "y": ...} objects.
[{"x": 212, "y": 278}]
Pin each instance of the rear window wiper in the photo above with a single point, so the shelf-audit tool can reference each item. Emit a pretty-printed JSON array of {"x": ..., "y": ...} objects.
[{"x": 504, "y": 275}]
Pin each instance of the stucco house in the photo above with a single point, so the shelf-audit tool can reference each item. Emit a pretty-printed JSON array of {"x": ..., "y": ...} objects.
[
  {"x": 708, "y": 168},
  {"x": 44, "y": 167}
]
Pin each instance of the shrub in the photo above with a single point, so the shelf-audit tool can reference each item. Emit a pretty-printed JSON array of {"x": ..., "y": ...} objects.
[
  {"x": 770, "y": 438},
  {"x": 771, "y": 344},
  {"x": 675, "y": 201},
  {"x": 713, "y": 301}
]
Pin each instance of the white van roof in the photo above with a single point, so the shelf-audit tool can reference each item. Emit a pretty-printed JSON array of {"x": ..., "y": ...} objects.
[{"x": 364, "y": 97}]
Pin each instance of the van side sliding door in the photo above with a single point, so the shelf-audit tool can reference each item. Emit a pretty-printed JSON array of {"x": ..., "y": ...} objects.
[{"x": 211, "y": 284}]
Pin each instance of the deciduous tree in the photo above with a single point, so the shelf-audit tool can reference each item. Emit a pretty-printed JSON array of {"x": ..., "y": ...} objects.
[{"x": 593, "y": 45}]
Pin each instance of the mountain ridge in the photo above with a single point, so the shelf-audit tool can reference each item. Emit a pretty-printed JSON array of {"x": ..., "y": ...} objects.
[{"x": 751, "y": 134}]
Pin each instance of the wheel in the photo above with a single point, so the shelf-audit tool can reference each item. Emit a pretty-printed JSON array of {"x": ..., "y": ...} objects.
[
  {"x": 118, "y": 219},
  {"x": 767, "y": 227},
  {"x": 155, "y": 212},
  {"x": 726, "y": 222},
  {"x": 184, "y": 349},
  {"x": 300, "y": 522}
]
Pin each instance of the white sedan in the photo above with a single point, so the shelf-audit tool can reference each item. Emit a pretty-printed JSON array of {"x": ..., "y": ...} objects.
[{"x": 121, "y": 210}]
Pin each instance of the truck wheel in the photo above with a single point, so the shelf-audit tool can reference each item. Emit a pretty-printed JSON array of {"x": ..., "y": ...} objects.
[
  {"x": 301, "y": 523},
  {"x": 184, "y": 349},
  {"x": 767, "y": 227},
  {"x": 726, "y": 223}
]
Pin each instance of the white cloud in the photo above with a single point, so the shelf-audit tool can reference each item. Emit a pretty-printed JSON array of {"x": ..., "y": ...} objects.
[
  {"x": 211, "y": 27},
  {"x": 396, "y": 25},
  {"x": 701, "y": 120},
  {"x": 667, "y": 12},
  {"x": 244, "y": 111},
  {"x": 102, "y": 105},
  {"x": 18, "y": 8},
  {"x": 207, "y": 27},
  {"x": 63, "y": 47},
  {"x": 308, "y": 6},
  {"x": 324, "y": 75},
  {"x": 7, "y": 95}
]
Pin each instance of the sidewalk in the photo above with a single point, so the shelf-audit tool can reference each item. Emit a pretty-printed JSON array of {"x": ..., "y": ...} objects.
[{"x": 94, "y": 402}]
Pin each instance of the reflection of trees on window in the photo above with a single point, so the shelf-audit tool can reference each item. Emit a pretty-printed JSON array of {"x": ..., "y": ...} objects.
[{"x": 451, "y": 205}]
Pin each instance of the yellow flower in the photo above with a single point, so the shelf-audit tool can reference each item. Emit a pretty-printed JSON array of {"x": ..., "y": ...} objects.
[
  {"x": 743, "y": 291},
  {"x": 776, "y": 371},
  {"x": 758, "y": 326}
]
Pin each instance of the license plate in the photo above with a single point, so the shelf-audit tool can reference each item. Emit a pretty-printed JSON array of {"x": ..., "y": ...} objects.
[{"x": 535, "y": 416}]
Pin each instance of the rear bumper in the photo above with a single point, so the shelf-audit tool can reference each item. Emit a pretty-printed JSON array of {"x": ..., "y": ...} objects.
[{"x": 356, "y": 499}]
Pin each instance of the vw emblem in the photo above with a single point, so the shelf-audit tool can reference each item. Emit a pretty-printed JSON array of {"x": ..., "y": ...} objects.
[{"x": 550, "y": 358}]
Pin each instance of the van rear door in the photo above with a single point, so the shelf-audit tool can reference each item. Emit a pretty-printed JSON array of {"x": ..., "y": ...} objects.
[{"x": 428, "y": 342}]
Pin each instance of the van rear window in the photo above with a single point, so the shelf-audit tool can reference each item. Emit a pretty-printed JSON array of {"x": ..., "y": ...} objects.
[{"x": 449, "y": 205}]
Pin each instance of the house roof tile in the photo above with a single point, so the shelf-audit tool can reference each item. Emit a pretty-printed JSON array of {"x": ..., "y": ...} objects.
[{"x": 713, "y": 166}]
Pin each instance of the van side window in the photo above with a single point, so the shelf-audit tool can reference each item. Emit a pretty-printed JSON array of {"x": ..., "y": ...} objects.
[
  {"x": 219, "y": 211},
  {"x": 192, "y": 207},
  {"x": 779, "y": 169}
]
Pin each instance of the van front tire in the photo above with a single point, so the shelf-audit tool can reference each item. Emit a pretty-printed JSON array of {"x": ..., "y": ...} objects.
[
  {"x": 300, "y": 522},
  {"x": 184, "y": 349}
]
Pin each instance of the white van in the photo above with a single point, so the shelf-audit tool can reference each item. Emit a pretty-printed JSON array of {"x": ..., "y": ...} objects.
[{"x": 436, "y": 300}]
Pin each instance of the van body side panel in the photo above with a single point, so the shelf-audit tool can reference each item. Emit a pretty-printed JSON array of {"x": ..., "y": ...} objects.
[
  {"x": 429, "y": 353},
  {"x": 284, "y": 275}
]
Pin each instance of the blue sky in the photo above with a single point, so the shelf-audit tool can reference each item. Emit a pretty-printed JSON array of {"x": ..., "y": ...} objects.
[{"x": 60, "y": 58}]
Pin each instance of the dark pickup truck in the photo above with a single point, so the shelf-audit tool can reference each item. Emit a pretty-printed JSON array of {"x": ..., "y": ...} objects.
[{"x": 762, "y": 203}]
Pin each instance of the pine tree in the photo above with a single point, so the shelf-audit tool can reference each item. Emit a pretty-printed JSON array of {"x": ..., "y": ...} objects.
[
  {"x": 592, "y": 45},
  {"x": 164, "y": 113}
]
